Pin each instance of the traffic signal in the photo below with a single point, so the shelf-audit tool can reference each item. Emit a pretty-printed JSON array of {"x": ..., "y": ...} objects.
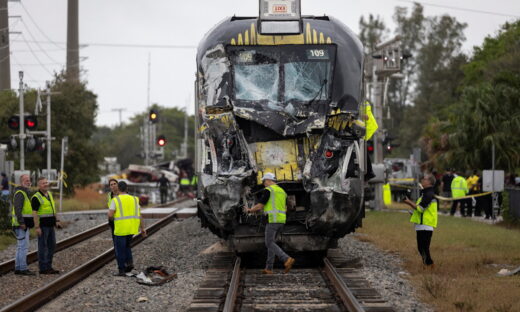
[
  {"x": 153, "y": 116},
  {"x": 161, "y": 140},
  {"x": 31, "y": 122},
  {"x": 370, "y": 147},
  {"x": 13, "y": 122}
]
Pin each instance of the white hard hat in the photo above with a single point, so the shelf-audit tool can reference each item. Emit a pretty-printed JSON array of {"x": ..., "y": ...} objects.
[{"x": 269, "y": 176}]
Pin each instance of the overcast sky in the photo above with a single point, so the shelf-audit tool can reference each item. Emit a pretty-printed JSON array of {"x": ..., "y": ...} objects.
[{"x": 119, "y": 75}]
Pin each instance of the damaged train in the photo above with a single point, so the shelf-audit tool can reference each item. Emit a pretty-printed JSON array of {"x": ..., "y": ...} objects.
[{"x": 286, "y": 104}]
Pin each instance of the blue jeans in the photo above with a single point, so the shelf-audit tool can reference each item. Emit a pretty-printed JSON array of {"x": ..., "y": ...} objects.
[
  {"x": 22, "y": 246},
  {"x": 271, "y": 230},
  {"x": 123, "y": 251},
  {"x": 46, "y": 246}
]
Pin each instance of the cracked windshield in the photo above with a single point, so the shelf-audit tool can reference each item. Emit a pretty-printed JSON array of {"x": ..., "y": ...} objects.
[{"x": 306, "y": 75}]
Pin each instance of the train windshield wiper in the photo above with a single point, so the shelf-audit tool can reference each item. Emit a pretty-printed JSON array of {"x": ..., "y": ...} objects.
[{"x": 320, "y": 91}]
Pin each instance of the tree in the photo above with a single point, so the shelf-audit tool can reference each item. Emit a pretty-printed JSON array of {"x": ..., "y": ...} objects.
[
  {"x": 488, "y": 111},
  {"x": 372, "y": 32}
]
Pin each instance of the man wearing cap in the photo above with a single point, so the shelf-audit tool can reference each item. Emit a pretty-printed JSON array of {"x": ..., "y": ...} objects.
[
  {"x": 125, "y": 211},
  {"x": 273, "y": 203}
]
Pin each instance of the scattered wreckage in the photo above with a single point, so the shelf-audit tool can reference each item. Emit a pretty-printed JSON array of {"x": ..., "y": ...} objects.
[{"x": 285, "y": 104}]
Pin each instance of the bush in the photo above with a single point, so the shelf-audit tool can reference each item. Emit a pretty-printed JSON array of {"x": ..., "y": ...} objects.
[{"x": 5, "y": 220}]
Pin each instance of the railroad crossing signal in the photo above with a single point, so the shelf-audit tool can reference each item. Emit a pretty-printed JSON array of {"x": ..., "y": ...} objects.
[
  {"x": 161, "y": 140},
  {"x": 31, "y": 122}
]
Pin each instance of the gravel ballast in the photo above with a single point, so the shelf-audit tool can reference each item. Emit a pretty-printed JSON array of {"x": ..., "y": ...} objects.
[
  {"x": 384, "y": 273},
  {"x": 73, "y": 224},
  {"x": 176, "y": 247}
]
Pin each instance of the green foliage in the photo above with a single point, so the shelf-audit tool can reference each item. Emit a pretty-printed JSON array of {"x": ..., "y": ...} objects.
[
  {"x": 431, "y": 75},
  {"x": 5, "y": 220},
  {"x": 372, "y": 32},
  {"x": 124, "y": 141},
  {"x": 488, "y": 110}
]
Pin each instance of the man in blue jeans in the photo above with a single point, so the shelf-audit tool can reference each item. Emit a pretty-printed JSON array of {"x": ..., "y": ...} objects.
[
  {"x": 22, "y": 221},
  {"x": 125, "y": 211},
  {"x": 44, "y": 213}
]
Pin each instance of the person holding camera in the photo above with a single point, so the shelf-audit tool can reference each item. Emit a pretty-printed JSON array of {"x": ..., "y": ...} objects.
[
  {"x": 44, "y": 214},
  {"x": 424, "y": 217}
]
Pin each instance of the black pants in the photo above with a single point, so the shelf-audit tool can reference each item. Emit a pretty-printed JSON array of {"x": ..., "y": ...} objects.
[
  {"x": 424, "y": 239},
  {"x": 463, "y": 204},
  {"x": 164, "y": 195}
]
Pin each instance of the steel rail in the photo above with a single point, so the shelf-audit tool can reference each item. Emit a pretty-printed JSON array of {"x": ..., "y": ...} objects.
[
  {"x": 45, "y": 294},
  {"x": 347, "y": 297},
  {"x": 8, "y": 266},
  {"x": 232, "y": 293}
]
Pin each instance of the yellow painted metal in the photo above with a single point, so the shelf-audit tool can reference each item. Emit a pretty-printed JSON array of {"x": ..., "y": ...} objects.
[
  {"x": 278, "y": 157},
  {"x": 252, "y": 37}
]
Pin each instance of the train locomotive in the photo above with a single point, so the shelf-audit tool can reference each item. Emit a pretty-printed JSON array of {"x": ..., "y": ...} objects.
[{"x": 286, "y": 104}]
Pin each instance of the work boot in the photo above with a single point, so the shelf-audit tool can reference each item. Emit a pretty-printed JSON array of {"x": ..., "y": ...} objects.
[
  {"x": 24, "y": 272},
  {"x": 267, "y": 271},
  {"x": 129, "y": 268},
  {"x": 119, "y": 273},
  {"x": 50, "y": 271},
  {"x": 288, "y": 264}
]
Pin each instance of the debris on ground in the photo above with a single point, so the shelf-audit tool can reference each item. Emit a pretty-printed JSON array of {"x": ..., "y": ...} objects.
[{"x": 154, "y": 276}]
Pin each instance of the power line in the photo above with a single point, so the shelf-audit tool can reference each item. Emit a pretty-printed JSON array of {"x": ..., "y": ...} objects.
[
  {"x": 36, "y": 56},
  {"x": 460, "y": 8},
  {"x": 38, "y": 27},
  {"x": 127, "y": 45},
  {"x": 39, "y": 46}
]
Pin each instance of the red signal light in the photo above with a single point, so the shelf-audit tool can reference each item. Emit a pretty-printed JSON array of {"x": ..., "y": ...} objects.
[
  {"x": 31, "y": 122},
  {"x": 370, "y": 148},
  {"x": 329, "y": 154},
  {"x": 13, "y": 123},
  {"x": 161, "y": 140}
]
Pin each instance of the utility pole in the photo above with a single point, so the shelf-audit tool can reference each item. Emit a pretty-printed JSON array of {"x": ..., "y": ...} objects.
[
  {"x": 387, "y": 59},
  {"x": 49, "y": 137},
  {"x": 22, "y": 123},
  {"x": 73, "y": 41},
  {"x": 120, "y": 110},
  {"x": 5, "y": 62}
]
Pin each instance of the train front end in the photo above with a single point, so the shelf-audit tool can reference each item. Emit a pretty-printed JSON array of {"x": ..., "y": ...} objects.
[{"x": 286, "y": 104}]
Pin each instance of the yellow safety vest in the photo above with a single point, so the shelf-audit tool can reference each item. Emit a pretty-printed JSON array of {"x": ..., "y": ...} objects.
[
  {"x": 428, "y": 216},
  {"x": 194, "y": 180},
  {"x": 472, "y": 183},
  {"x": 387, "y": 194},
  {"x": 371, "y": 123},
  {"x": 459, "y": 187},
  {"x": 127, "y": 215},
  {"x": 185, "y": 181},
  {"x": 26, "y": 209},
  {"x": 46, "y": 205},
  {"x": 275, "y": 207}
]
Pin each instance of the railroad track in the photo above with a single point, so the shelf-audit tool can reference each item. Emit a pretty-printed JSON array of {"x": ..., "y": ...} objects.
[
  {"x": 335, "y": 285},
  {"x": 42, "y": 295},
  {"x": 8, "y": 266}
]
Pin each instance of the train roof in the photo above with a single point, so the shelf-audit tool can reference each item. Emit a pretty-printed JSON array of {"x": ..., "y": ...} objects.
[{"x": 316, "y": 30}]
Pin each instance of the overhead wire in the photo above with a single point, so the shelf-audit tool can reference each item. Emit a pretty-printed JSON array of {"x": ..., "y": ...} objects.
[
  {"x": 459, "y": 8},
  {"x": 130, "y": 45},
  {"x": 36, "y": 56},
  {"x": 38, "y": 27},
  {"x": 39, "y": 46}
]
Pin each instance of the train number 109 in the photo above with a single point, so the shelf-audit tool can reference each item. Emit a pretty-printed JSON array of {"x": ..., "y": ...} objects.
[{"x": 317, "y": 54}]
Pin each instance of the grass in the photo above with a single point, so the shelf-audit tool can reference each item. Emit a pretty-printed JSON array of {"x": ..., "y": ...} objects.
[
  {"x": 467, "y": 256},
  {"x": 6, "y": 240},
  {"x": 87, "y": 198}
]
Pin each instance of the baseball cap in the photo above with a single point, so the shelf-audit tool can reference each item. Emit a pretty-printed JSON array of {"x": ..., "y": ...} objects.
[{"x": 269, "y": 176}]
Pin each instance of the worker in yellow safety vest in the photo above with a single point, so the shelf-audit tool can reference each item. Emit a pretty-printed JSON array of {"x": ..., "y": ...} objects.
[
  {"x": 45, "y": 220},
  {"x": 424, "y": 217},
  {"x": 125, "y": 211},
  {"x": 459, "y": 188},
  {"x": 22, "y": 220},
  {"x": 474, "y": 188},
  {"x": 273, "y": 203}
]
